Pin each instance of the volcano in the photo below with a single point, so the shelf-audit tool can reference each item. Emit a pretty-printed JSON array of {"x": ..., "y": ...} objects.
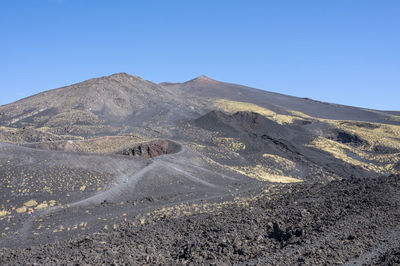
[{"x": 119, "y": 169}]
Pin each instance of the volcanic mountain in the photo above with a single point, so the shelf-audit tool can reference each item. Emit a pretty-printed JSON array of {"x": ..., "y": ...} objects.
[
  {"x": 97, "y": 106},
  {"x": 92, "y": 155}
]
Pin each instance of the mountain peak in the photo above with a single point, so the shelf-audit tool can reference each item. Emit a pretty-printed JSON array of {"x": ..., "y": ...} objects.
[
  {"x": 204, "y": 77},
  {"x": 121, "y": 76},
  {"x": 201, "y": 79}
]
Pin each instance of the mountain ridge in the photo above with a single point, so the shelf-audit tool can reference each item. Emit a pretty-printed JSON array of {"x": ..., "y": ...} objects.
[
  {"x": 123, "y": 77},
  {"x": 121, "y": 103}
]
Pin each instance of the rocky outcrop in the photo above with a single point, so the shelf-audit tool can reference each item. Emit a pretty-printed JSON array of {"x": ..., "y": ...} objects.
[
  {"x": 152, "y": 149},
  {"x": 244, "y": 123},
  {"x": 345, "y": 138}
]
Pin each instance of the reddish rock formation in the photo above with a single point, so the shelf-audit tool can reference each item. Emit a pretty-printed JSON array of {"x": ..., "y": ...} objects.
[{"x": 153, "y": 149}]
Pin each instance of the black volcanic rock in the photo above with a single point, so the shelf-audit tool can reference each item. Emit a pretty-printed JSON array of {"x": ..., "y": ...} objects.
[
  {"x": 345, "y": 137},
  {"x": 318, "y": 224},
  {"x": 248, "y": 123}
]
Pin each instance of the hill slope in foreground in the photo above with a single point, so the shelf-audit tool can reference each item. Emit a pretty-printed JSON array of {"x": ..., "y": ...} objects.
[{"x": 120, "y": 169}]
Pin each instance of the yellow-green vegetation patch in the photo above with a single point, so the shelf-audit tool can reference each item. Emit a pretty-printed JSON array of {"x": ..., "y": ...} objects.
[
  {"x": 46, "y": 204},
  {"x": 4, "y": 213},
  {"x": 279, "y": 178},
  {"x": 232, "y": 144},
  {"x": 195, "y": 146},
  {"x": 47, "y": 189},
  {"x": 42, "y": 205},
  {"x": 263, "y": 173},
  {"x": 375, "y": 136},
  {"x": 339, "y": 151},
  {"x": 44, "y": 129},
  {"x": 217, "y": 164},
  {"x": 395, "y": 118},
  {"x": 8, "y": 129},
  {"x": 234, "y": 106},
  {"x": 284, "y": 163},
  {"x": 301, "y": 115},
  {"x": 21, "y": 209},
  {"x": 30, "y": 203},
  {"x": 108, "y": 144}
]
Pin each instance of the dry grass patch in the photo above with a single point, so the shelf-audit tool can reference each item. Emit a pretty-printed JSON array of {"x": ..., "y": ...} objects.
[
  {"x": 340, "y": 151},
  {"x": 284, "y": 163},
  {"x": 108, "y": 144},
  {"x": 30, "y": 203},
  {"x": 21, "y": 210},
  {"x": 4, "y": 213},
  {"x": 234, "y": 106},
  {"x": 263, "y": 173},
  {"x": 395, "y": 118},
  {"x": 232, "y": 144},
  {"x": 375, "y": 136}
]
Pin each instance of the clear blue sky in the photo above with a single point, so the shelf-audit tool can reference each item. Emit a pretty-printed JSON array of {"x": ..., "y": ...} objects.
[{"x": 342, "y": 51}]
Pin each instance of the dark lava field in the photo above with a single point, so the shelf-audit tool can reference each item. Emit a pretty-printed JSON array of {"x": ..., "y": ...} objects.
[
  {"x": 344, "y": 222},
  {"x": 121, "y": 170}
]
